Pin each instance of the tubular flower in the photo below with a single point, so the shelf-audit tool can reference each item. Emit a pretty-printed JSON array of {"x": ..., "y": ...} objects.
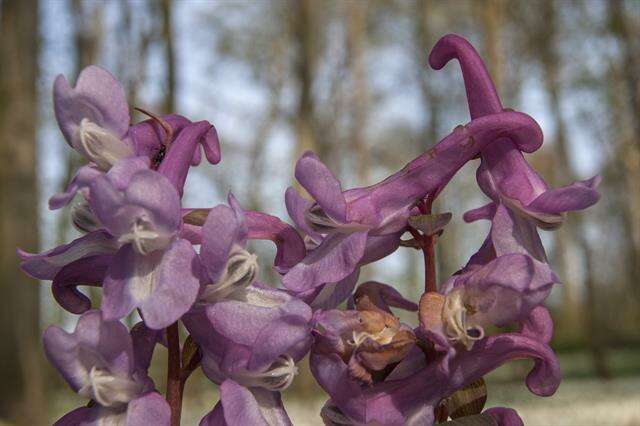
[
  {"x": 345, "y": 229},
  {"x": 97, "y": 360},
  {"x": 504, "y": 175},
  {"x": 153, "y": 269}
]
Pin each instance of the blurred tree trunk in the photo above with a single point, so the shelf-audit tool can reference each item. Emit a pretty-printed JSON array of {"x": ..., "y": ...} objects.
[
  {"x": 628, "y": 35},
  {"x": 302, "y": 31},
  {"x": 491, "y": 15},
  {"x": 356, "y": 17},
  {"x": 21, "y": 392},
  {"x": 574, "y": 228},
  {"x": 169, "y": 57},
  {"x": 561, "y": 174}
]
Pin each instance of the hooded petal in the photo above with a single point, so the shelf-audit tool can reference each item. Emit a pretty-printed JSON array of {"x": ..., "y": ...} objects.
[
  {"x": 94, "y": 343},
  {"x": 97, "y": 96},
  {"x": 297, "y": 206},
  {"x": 222, "y": 231},
  {"x": 149, "y": 197},
  {"x": 254, "y": 406},
  {"x": 163, "y": 284},
  {"x": 333, "y": 260},
  {"x": 322, "y": 185}
]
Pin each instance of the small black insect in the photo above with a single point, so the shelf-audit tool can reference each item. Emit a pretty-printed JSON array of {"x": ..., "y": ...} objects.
[{"x": 159, "y": 156}]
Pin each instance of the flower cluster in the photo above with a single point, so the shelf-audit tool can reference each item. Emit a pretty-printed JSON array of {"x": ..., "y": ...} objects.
[{"x": 139, "y": 245}]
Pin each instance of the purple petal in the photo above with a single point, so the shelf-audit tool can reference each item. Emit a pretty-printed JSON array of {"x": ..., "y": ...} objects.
[
  {"x": 330, "y": 295},
  {"x": 511, "y": 233},
  {"x": 97, "y": 96},
  {"x": 577, "y": 196},
  {"x": 508, "y": 288},
  {"x": 144, "y": 342},
  {"x": 149, "y": 195},
  {"x": 253, "y": 406},
  {"x": 242, "y": 322},
  {"x": 291, "y": 249},
  {"x": 431, "y": 171},
  {"x": 322, "y": 185},
  {"x": 147, "y": 137},
  {"x": 149, "y": 409},
  {"x": 163, "y": 284},
  {"x": 504, "y": 416},
  {"x": 538, "y": 325},
  {"x": 384, "y": 296},
  {"x": 86, "y": 271},
  {"x": 177, "y": 161},
  {"x": 380, "y": 246},
  {"x": 83, "y": 416},
  {"x": 94, "y": 342},
  {"x": 122, "y": 172},
  {"x": 485, "y": 212},
  {"x": 215, "y": 417},
  {"x": 222, "y": 230},
  {"x": 481, "y": 93},
  {"x": 81, "y": 180},
  {"x": 488, "y": 354},
  {"x": 297, "y": 206},
  {"x": 289, "y": 334},
  {"x": 46, "y": 265},
  {"x": 333, "y": 260}
]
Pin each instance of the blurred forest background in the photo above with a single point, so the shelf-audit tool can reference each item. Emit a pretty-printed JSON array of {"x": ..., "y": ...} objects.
[{"x": 349, "y": 80}]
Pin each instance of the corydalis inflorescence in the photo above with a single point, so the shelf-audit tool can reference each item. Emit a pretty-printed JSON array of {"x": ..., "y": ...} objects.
[{"x": 192, "y": 267}]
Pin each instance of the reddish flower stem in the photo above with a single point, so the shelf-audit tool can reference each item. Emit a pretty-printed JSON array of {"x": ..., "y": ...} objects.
[
  {"x": 174, "y": 382},
  {"x": 428, "y": 250}
]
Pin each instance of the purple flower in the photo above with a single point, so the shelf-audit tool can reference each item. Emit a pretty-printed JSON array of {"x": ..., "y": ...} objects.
[
  {"x": 504, "y": 175},
  {"x": 251, "y": 342},
  {"x": 408, "y": 392},
  {"x": 154, "y": 270},
  {"x": 346, "y": 228},
  {"x": 94, "y": 118},
  {"x": 98, "y": 361},
  {"x": 502, "y": 283},
  {"x": 251, "y": 335}
]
